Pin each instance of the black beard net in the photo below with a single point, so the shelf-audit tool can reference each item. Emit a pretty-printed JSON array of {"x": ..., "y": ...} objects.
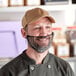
[{"x": 36, "y": 46}]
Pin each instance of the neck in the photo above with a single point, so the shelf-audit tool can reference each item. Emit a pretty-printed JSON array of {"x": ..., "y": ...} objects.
[{"x": 38, "y": 57}]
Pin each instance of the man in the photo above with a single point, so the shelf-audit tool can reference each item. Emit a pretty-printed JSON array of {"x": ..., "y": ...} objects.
[{"x": 36, "y": 60}]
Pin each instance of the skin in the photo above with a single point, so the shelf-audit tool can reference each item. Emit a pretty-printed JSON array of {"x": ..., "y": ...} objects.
[{"x": 41, "y": 27}]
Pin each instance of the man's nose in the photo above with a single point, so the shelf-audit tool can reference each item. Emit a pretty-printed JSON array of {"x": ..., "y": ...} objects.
[{"x": 43, "y": 32}]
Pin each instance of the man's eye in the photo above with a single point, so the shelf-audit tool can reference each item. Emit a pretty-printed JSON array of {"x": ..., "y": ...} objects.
[
  {"x": 48, "y": 27},
  {"x": 37, "y": 28}
]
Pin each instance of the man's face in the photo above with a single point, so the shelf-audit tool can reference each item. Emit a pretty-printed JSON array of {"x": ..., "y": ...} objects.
[{"x": 39, "y": 34}]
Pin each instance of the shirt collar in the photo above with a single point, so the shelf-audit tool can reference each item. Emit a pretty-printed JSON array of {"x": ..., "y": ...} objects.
[{"x": 32, "y": 61}]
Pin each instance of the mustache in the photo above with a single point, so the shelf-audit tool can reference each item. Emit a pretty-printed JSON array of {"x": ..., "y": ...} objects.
[{"x": 39, "y": 37}]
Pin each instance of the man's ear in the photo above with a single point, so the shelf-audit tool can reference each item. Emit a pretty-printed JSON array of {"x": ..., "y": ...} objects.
[{"x": 23, "y": 32}]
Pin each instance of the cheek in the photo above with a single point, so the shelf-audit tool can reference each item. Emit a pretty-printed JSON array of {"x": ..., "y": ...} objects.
[
  {"x": 33, "y": 33},
  {"x": 50, "y": 31}
]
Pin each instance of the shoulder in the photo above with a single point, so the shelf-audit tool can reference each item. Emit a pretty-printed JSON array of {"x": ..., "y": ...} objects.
[
  {"x": 15, "y": 66},
  {"x": 14, "y": 63},
  {"x": 61, "y": 65},
  {"x": 59, "y": 62},
  {"x": 58, "y": 59}
]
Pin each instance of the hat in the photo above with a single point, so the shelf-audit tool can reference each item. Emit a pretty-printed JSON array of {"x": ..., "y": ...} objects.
[{"x": 35, "y": 14}]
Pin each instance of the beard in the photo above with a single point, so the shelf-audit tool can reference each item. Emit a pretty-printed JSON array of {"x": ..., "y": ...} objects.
[{"x": 33, "y": 42}]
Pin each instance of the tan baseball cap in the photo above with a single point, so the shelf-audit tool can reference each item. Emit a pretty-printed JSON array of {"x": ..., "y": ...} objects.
[{"x": 35, "y": 14}]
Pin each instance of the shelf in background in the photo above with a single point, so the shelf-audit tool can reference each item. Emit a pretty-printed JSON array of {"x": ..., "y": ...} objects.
[
  {"x": 16, "y": 13},
  {"x": 47, "y": 7}
]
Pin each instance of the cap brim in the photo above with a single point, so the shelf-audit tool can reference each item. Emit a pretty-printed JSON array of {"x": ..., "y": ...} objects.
[{"x": 49, "y": 17}]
